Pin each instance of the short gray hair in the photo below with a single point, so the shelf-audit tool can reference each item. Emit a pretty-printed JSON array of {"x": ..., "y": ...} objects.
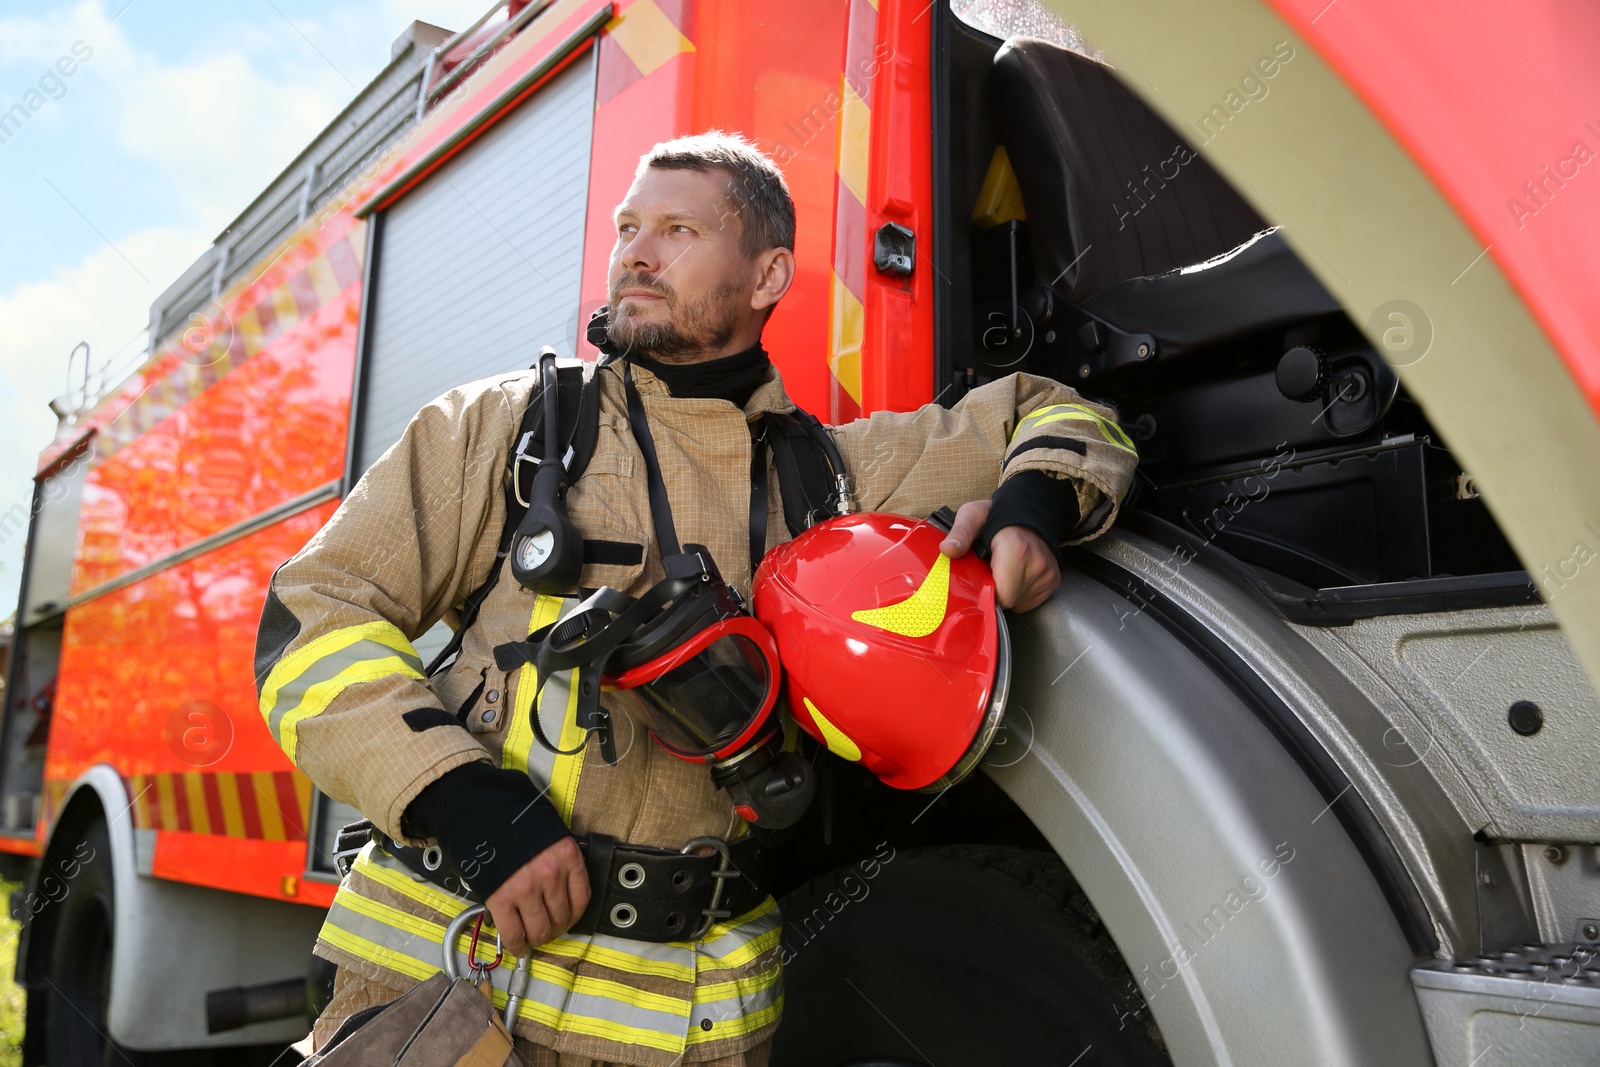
[{"x": 756, "y": 186}]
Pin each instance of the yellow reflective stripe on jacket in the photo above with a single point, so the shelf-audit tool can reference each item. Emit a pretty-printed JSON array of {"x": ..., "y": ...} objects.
[
  {"x": 744, "y": 1004},
  {"x": 306, "y": 681},
  {"x": 392, "y": 916},
  {"x": 731, "y": 943},
  {"x": 742, "y": 1012},
  {"x": 1113, "y": 433},
  {"x": 412, "y": 945},
  {"x": 738, "y": 1026},
  {"x": 407, "y": 884},
  {"x": 564, "y": 770},
  {"x": 737, "y": 941},
  {"x": 519, "y": 738},
  {"x": 738, "y": 987},
  {"x": 557, "y": 998},
  {"x": 621, "y": 961}
]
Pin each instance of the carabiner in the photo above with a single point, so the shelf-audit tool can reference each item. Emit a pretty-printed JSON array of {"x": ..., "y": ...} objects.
[{"x": 472, "y": 949}]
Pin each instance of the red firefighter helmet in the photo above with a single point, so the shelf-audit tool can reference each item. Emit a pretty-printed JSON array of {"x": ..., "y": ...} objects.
[{"x": 894, "y": 655}]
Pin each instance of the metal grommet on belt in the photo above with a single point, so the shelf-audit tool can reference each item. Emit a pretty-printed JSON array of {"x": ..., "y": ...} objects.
[{"x": 675, "y": 894}]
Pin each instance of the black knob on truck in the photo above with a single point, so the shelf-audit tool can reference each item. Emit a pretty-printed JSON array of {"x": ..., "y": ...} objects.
[{"x": 1302, "y": 373}]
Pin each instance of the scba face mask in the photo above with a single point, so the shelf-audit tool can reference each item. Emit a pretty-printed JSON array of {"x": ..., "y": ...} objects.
[
  {"x": 687, "y": 662},
  {"x": 708, "y": 697}
]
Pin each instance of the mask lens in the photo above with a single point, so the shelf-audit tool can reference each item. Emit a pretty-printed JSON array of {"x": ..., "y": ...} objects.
[{"x": 706, "y": 702}]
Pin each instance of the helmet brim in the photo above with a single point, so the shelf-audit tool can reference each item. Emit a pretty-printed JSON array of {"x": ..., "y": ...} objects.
[{"x": 993, "y": 715}]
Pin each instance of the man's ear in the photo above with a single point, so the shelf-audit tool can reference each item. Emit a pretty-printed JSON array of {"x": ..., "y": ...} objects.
[{"x": 774, "y": 275}]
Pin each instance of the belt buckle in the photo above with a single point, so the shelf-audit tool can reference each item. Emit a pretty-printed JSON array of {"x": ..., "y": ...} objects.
[
  {"x": 344, "y": 860},
  {"x": 724, "y": 871}
]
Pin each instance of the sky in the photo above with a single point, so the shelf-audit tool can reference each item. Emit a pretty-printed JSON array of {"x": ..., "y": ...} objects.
[{"x": 174, "y": 116}]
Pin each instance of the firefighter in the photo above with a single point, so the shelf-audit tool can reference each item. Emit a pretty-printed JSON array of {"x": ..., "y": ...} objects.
[{"x": 451, "y": 768}]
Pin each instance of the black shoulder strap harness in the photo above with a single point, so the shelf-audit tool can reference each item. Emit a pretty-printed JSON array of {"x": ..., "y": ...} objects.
[
  {"x": 578, "y": 424},
  {"x": 811, "y": 474}
]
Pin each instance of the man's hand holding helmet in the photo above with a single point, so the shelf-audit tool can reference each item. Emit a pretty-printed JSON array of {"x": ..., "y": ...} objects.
[
  {"x": 1025, "y": 569},
  {"x": 1022, "y": 523}
]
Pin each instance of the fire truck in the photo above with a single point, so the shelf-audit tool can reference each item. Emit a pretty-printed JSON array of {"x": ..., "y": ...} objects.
[{"x": 1297, "y": 766}]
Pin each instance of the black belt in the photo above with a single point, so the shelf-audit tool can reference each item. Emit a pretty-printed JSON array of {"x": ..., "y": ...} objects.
[
  {"x": 636, "y": 891},
  {"x": 664, "y": 894}
]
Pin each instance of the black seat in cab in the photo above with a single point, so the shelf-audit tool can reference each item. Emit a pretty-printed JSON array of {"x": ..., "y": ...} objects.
[{"x": 1127, "y": 222}]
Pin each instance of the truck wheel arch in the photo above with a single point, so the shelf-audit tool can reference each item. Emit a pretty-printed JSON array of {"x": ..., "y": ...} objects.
[
  {"x": 159, "y": 977},
  {"x": 96, "y": 792},
  {"x": 1254, "y": 926}
]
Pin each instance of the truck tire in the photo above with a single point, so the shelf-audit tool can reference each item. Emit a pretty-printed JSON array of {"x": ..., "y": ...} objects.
[
  {"x": 963, "y": 954},
  {"x": 79, "y": 978}
]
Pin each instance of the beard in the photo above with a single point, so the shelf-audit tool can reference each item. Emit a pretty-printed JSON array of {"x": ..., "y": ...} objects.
[{"x": 691, "y": 328}]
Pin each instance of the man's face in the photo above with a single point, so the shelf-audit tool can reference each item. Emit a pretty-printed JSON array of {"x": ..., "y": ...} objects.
[{"x": 680, "y": 286}]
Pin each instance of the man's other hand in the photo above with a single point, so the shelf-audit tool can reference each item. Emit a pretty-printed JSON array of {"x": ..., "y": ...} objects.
[
  {"x": 1025, "y": 569},
  {"x": 543, "y": 899}
]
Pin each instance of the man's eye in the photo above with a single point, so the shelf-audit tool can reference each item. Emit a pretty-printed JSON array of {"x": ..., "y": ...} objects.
[
  {"x": 626, "y": 227},
  {"x": 686, "y": 229}
]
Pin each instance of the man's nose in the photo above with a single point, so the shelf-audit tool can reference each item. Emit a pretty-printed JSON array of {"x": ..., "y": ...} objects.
[{"x": 641, "y": 254}]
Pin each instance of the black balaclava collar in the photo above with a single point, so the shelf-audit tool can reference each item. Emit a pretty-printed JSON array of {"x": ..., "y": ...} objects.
[{"x": 733, "y": 378}]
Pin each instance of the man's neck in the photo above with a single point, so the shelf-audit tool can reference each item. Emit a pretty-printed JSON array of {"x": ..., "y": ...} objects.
[{"x": 731, "y": 377}]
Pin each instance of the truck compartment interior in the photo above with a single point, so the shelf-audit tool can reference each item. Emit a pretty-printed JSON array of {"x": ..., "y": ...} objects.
[
  {"x": 30, "y": 680},
  {"x": 30, "y": 695},
  {"x": 1083, "y": 238}
]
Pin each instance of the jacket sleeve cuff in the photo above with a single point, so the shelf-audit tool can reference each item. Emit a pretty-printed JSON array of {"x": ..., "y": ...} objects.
[
  {"x": 1033, "y": 499},
  {"x": 489, "y": 821}
]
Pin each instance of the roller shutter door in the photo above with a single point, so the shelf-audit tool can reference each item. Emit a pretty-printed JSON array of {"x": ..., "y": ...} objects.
[{"x": 479, "y": 265}]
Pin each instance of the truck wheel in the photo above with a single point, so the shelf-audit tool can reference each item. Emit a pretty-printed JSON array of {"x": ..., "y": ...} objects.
[
  {"x": 959, "y": 954},
  {"x": 79, "y": 989}
]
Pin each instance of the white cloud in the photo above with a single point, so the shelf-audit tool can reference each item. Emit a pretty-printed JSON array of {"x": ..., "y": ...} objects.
[
  {"x": 218, "y": 126},
  {"x": 42, "y": 39},
  {"x": 221, "y": 128}
]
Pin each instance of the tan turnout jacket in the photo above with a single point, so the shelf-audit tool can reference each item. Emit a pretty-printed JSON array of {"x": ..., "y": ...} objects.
[{"x": 418, "y": 533}]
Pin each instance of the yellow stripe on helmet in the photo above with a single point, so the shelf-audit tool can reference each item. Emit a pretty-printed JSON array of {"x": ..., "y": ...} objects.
[{"x": 919, "y": 614}]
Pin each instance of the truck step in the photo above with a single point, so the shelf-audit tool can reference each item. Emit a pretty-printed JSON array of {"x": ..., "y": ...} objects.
[{"x": 1533, "y": 1005}]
